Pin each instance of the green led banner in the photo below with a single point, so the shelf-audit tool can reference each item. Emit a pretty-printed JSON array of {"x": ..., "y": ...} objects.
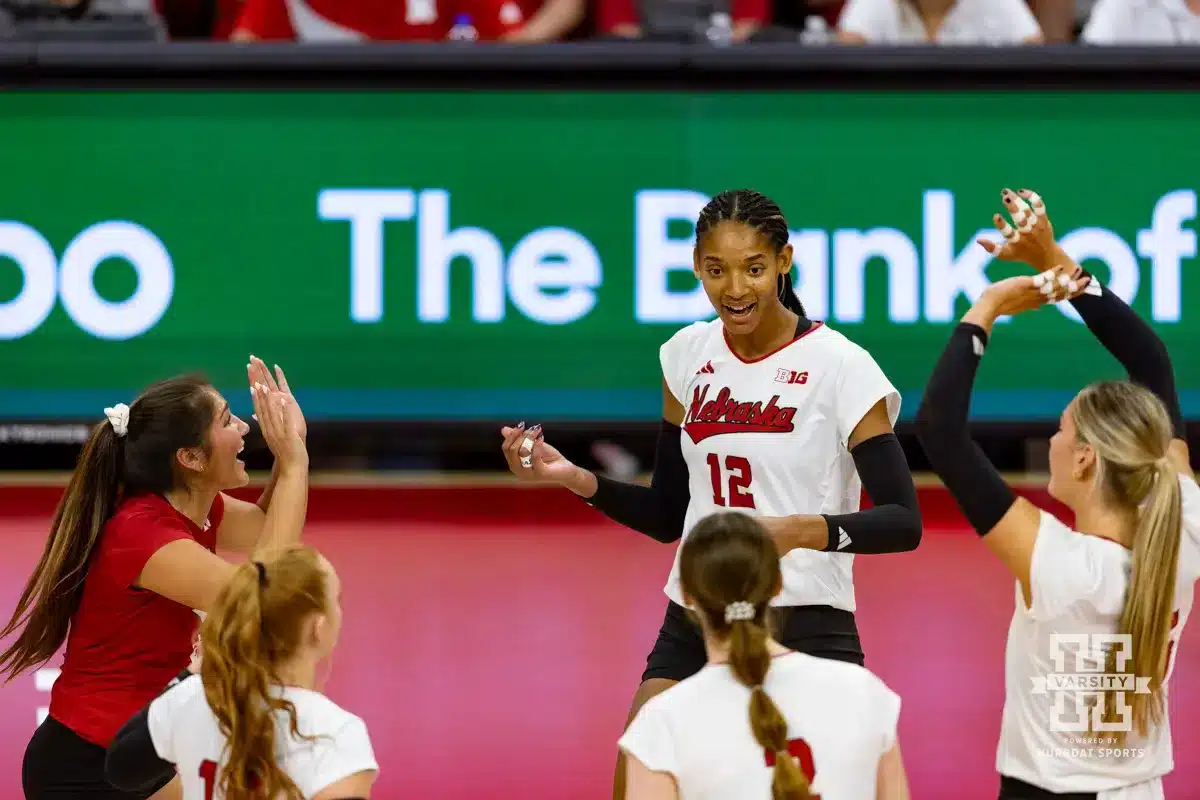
[{"x": 497, "y": 255}]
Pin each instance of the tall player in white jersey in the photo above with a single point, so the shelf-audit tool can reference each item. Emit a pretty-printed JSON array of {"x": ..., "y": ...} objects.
[
  {"x": 252, "y": 723},
  {"x": 759, "y": 720},
  {"x": 1109, "y": 597},
  {"x": 770, "y": 413}
]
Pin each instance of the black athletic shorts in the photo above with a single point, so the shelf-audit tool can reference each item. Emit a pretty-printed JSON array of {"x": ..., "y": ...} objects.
[
  {"x": 1013, "y": 789},
  {"x": 821, "y": 631},
  {"x": 61, "y": 765}
]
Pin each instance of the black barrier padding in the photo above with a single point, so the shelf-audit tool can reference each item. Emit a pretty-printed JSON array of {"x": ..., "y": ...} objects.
[{"x": 595, "y": 65}]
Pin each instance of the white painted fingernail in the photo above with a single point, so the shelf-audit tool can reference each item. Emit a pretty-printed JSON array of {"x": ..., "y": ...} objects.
[{"x": 1038, "y": 280}]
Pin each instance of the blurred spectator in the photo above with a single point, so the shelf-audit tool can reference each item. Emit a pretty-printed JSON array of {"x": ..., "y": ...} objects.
[
  {"x": 794, "y": 14},
  {"x": 1056, "y": 19},
  {"x": 948, "y": 22},
  {"x": 1143, "y": 22},
  {"x": 677, "y": 19},
  {"x": 404, "y": 20},
  {"x": 199, "y": 19}
]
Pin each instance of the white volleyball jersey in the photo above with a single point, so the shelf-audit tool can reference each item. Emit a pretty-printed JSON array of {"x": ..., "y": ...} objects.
[
  {"x": 840, "y": 719},
  {"x": 1077, "y": 591},
  {"x": 184, "y": 732},
  {"x": 769, "y": 437}
]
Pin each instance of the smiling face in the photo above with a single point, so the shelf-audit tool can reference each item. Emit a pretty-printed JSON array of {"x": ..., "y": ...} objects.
[
  {"x": 740, "y": 268},
  {"x": 218, "y": 466}
]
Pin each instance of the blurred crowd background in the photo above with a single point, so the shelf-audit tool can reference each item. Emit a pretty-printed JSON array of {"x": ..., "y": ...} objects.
[{"x": 722, "y": 22}]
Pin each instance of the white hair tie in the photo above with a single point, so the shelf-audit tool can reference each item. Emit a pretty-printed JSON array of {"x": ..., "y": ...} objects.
[
  {"x": 739, "y": 611},
  {"x": 118, "y": 417}
]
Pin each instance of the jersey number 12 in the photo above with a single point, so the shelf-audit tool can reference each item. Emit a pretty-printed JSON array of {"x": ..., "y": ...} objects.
[{"x": 739, "y": 477}]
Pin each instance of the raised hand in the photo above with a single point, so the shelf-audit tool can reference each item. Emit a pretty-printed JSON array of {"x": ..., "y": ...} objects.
[
  {"x": 258, "y": 373},
  {"x": 1029, "y": 238},
  {"x": 280, "y": 422},
  {"x": 530, "y": 458}
]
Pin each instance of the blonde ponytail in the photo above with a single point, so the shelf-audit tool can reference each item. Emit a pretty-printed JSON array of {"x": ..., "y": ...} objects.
[
  {"x": 257, "y": 624},
  {"x": 1130, "y": 430},
  {"x": 1149, "y": 602}
]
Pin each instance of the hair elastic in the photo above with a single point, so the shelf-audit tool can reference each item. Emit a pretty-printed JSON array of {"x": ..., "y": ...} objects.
[
  {"x": 118, "y": 417},
  {"x": 262, "y": 573},
  {"x": 739, "y": 611}
]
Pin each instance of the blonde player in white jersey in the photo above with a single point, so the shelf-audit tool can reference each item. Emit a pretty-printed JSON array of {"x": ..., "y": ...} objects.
[
  {"x": 1109, "y": 597},
  {"x": 759, "y": 721},
  {"x": 252, "y": 723},
  {"x": 770, "y": 413}
]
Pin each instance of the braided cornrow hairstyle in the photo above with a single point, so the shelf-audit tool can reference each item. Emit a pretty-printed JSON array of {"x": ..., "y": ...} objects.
[{"x": 759, "y": 212}]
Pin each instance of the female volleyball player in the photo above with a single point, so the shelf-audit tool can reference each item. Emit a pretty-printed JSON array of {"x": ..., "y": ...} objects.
[
  {"x": 815, "y": 727},
  {"x": 1111, "y": 595},
  {"x": 765, "y": 411},
  {"x": 131, "y": 554},
  {"x": 254, "y": 723}
]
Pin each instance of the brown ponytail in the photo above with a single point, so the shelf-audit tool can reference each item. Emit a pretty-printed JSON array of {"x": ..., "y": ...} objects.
[
  {"x": 170, "y": 415},
  {"x": 259, "y": 622},
  {"x": 1130, "y": 430},
  {"x": 53, "y": 591},
  {"x": 728, "y": 564},
  {"x": 749, "y": 660}
]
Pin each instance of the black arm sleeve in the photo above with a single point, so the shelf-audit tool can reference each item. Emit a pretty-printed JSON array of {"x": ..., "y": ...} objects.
[
  {"x": 657, "y": 510},
  {"x": 893, "y": 525},
  {"x": 1133, "y": 343},
  {"x": 977, "y": 487}
]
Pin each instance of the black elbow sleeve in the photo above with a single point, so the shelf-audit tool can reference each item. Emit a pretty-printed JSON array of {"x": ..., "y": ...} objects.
[
  {"x": 659, "y": 510},
  {"x": 893, "y": 524}
]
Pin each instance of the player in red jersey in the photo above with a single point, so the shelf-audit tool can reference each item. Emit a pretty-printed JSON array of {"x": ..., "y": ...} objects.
[{"x": 131, "y": 553}]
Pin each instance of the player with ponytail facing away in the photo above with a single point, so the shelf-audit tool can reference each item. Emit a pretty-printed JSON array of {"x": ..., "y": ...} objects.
[
  {"x": 253, "y": 723},
  {"x": 767, "y": 412},
  {"x": 759, "y": 721},
  {"x": 1109, "y": 595}
]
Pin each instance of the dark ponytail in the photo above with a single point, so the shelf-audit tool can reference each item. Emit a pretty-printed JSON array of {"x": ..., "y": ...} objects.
[
  {"x": 169, "y": 416},
  {"x": 787, "y": 295},
  {"x": 53, "y": 591},
  {"x": 759, "y": 212},
  {"x": 730, "y": 569}
]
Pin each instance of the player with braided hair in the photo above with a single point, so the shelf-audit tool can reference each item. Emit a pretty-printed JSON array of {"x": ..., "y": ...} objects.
[
  {"x": 767, "y": 412},
  {"x": 696, "y": 741}
]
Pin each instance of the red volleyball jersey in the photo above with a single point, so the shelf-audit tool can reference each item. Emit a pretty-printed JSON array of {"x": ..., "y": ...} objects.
[{"x": 125, "y": 644}]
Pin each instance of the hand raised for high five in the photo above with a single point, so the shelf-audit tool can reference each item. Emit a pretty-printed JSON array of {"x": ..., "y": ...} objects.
[
  {"x": 281, "y": 423},
  {"x": 1030, "y": 238},
  {"x": 258, "y": 373}
]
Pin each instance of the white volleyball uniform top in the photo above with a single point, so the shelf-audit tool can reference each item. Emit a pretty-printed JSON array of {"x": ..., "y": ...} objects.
[
  {"x": 840, "y": 719},
  {"x": 184, "y": 732},
  {"x": 1077, "y": 590},
  {"x": 969, "y": 22},
  {"x": 769, "y": 437},
  {"x": 1142, "y": 22}
]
